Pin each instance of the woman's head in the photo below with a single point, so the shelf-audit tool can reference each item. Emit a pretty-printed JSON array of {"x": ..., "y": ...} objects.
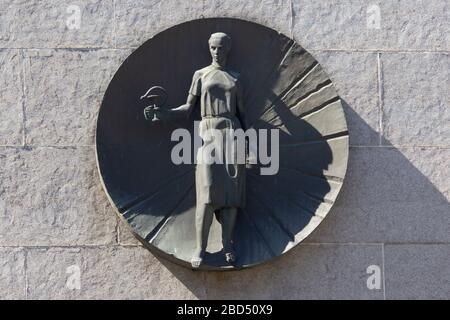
[{"x": 219, "y": 46}]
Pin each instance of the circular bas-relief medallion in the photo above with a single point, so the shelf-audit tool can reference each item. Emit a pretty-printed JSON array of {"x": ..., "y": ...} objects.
[{"x": 221, "y": 76}]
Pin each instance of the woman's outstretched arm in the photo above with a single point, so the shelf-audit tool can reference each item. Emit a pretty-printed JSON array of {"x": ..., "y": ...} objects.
[
  {"x": 179, "y": 112},
  {"x": 185, "y": 109}
]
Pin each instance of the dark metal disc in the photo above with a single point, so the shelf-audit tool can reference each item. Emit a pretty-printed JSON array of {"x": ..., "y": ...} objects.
[{"x": 285, "y": 88}]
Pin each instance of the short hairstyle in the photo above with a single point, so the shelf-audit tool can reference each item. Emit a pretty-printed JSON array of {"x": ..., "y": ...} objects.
[{"x": 221, "y": 36}]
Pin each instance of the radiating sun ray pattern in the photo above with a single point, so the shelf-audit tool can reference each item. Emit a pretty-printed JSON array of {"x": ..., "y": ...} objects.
[{"x": 285, "y": 89}]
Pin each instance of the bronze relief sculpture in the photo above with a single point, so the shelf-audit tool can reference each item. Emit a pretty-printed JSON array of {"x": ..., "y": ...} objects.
[
  {"x": 221, "y": 215},
  {"x": 220, "y": 189}
]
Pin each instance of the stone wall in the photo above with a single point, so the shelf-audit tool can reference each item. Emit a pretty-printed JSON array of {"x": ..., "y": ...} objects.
[{"x": 392, "y": 219}]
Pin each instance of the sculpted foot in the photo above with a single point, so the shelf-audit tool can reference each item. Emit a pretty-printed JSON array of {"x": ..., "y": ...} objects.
[
  {"x": 230, "y": 257},
  {"x": 196, "y": 260}
]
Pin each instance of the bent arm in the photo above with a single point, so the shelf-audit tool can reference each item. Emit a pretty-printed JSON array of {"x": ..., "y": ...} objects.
[{"x": 185, "y": 109}]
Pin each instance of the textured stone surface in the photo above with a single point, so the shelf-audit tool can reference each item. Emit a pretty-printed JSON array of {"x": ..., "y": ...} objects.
[
  {"x": 12, "y": 274},
  {"x": 11, "y": 96},
  {"x": 397, "y": 175},
  {"x": 275, "y": 14},
  {"x": 52, "y": 196},
  {"x": 392, "y": 195},
  {"x": 404, "y": 24},
  {"x": 108, "y": 273},
  {"x": 45, "y": 23},
  {"x": 359, "y": 92},
  {"x": 126, "y": 237},
  {"x": 417, "y": 271},
  {"x": 64, "y": 92},
  {"x": 139, "y": 20},
  {"x": 306, "y": 272},
  {"x": 417, "y": 99}
]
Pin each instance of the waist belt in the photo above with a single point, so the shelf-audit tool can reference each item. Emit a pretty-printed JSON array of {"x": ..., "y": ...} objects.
[{"x": 223, "y": 115}]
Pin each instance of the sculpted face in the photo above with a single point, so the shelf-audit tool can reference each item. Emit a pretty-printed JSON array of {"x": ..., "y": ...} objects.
[{"x": 219, "y": 47}]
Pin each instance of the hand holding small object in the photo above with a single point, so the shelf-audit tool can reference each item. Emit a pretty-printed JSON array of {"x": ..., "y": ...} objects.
[{"x": 157, "y": 96}]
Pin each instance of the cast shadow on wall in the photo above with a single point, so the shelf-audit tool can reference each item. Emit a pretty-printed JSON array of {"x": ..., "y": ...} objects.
[
  {"x": 385, "y": 198},
  {"x": 160, "y": 207}
]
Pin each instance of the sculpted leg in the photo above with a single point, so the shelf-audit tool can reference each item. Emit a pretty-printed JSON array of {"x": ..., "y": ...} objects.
[
  {"x": 228, "y": 221},
  {"x": 203, "y": 219}
]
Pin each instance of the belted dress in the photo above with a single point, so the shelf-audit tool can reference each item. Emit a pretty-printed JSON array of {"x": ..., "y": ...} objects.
[{"x": 219, "y": 175}]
